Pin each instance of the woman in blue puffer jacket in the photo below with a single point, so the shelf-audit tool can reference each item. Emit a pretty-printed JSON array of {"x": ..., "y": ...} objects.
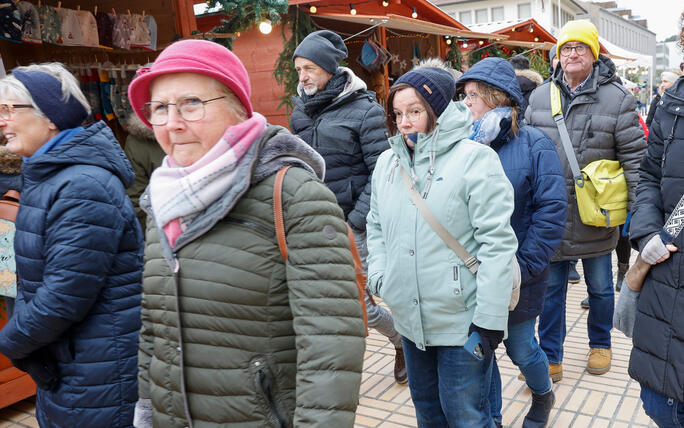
[
  {"x": 79, "y": 254},
  {"x": 491, "y": 91}
]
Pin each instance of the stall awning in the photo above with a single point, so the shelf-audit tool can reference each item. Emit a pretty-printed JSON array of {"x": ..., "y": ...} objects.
[
  {"x": 403, "y": 23},
  {"x": 621, "y": 56}
]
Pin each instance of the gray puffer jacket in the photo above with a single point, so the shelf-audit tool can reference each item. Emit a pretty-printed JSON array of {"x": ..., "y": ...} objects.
[
  {"x": 603, "y": 124},
  {"x": 350, "y": 134}
]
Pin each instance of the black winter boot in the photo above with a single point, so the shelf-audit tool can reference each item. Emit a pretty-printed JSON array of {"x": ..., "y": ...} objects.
[{"x": 538, "y": 416}]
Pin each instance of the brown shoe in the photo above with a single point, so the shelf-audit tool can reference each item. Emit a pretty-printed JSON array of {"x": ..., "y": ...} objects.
[
  {"x": 400, "y": 375},
  {"x": 599, "y": 361},
  {"x": 556, "y": 372}
]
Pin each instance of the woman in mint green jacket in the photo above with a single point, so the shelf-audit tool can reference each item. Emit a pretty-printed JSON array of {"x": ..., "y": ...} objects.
[{"x": 436, "y": 301}]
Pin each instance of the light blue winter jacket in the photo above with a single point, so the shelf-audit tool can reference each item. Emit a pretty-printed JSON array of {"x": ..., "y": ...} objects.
[{"x": 432, "y": 295}]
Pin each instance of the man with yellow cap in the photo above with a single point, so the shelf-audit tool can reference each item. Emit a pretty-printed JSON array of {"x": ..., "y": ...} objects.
[{"x": 602, "y": 123}]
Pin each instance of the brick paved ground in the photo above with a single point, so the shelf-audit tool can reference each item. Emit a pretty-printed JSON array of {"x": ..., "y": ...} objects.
[{"x": 582, "y": 400}]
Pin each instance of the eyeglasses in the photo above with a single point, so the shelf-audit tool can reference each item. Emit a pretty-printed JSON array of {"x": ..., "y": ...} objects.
[
  {"x": 412, "y": 115},
  {"x": 191, "y": 109},
  {"x": 7, "y": 110},
  {"x": 471, "y": 97},
  {"x": 580, "y": 50}
]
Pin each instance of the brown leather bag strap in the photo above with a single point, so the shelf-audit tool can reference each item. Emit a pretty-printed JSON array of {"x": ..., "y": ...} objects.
[
  {"x": 11, "y": 195},
  {"x": 278, "y": 211},
  {"x": 360, "y": 277}
]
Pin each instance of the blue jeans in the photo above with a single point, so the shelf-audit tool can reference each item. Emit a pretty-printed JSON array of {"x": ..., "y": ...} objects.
[
  {"x": 524, "y": 351},
  {"x": 449, "y": 387},
  {"x": 598, "y": 275},
  {"x": 665, "y": 412}
]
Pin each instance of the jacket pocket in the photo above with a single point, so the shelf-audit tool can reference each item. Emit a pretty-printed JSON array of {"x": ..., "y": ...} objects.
[{"x": 265, "y": 390}]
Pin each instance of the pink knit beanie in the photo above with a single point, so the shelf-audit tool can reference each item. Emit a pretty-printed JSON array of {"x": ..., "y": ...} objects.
[{"x": 192, "y": 56}]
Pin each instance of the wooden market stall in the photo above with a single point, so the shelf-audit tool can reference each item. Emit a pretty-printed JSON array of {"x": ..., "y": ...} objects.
[
  {"x": 174, "y": 19},
  {"x": 407, "y": 29}
]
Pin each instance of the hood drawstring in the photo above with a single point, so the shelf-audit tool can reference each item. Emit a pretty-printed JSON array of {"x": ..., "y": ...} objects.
[{"x": 431, "y": 169}]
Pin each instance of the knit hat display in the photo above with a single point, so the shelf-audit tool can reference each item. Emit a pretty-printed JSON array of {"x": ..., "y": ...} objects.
[
  {"x": 121, "y": 36},
  {"x": 88, "y": 25},
  {"x": 325, "y": 48},
  {"x": 434, "y": 84},
  {"x": 193, "y": 56},
  {"x": 105, "y": 29},
  {"x": 519, "y": 62},
  {"x": 10, "y": 21},
  {"x": 140, "y": 35},
  {"x": 50, "y": 25},
  {"x": 46, "y": 91},
  {"x": 579, "y": 31},
  {"x": 71, "y": 27},
  {"x": 30, "y": 23},
  {"x": 152, "y": 28}
]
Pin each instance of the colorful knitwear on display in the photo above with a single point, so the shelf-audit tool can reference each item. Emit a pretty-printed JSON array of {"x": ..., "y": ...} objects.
[
  {"x": 88, "y": 28},
  {"x": 50, "y": 25},
  {"x": 30, "y": 23},
  {"x": 10, "y": 21}
]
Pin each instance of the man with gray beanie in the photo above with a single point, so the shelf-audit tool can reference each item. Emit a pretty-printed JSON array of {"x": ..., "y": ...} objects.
[{"x": 341, "y": 119}]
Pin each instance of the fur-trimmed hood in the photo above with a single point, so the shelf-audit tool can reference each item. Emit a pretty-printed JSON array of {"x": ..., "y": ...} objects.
[
  {"x": 136, "y": 127},
  {"x": 9, "y": 162},
  {"x": 530, "y": 74}
]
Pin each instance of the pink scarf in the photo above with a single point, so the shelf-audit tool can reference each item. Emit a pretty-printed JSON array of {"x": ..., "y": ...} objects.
[{"x": 178, "y": 194}]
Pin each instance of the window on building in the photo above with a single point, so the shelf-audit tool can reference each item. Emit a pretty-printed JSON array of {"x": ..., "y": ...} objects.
[
  {"x": 524, "y": 10},
  {"x": 466, "y": 18},
  {"x": 481, "y": 16},
  {"x": 497, "y": 14}
]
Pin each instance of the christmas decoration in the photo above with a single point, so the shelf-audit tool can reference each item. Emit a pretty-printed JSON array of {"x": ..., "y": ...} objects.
[
  {"x": 454, "y": 58},
  {"x": 245, "y": 14}
]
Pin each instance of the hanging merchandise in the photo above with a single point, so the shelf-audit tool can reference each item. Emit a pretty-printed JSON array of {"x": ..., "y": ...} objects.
[
  {"x": 30, "y": 23},
  {"x": 373, "y": 56},
  {"x": 105, "y": 29},
  {"x": 10, "y": 21},
  {"x": 152, "y": 28},
  {"x": 88, "y": 26},
  {"x": 71, "y": 28},
  {"x": 121, "y": 36},
  {"x": 140, "y": 34},
  {"x": 416, "y": 55},
  {"x": 50, "y": 25}
]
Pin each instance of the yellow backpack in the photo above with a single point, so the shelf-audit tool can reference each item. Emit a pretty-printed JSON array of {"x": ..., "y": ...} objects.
[{"x": 600, "y": 187}]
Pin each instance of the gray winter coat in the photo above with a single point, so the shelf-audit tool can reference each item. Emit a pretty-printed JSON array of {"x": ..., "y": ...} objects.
[
  {"x": 350, "y": 134},
  {"x": 603, "y": 124}
]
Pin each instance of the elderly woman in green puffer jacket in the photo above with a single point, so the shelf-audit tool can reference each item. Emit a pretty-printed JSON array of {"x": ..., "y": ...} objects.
[{"x": 232, "y": 334}]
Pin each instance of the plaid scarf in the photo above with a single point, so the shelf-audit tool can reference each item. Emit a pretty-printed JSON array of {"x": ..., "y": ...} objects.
[
  {"x": 180, "y": 193},
  {"x": 488, "y": 127}
]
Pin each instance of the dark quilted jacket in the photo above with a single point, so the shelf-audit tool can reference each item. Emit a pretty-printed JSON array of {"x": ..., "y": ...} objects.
[
  {"x": 603, "y": 124},
  {"x": 657, "y": 358},
  {"x": 262, "y": 343},
  {"x": 350, "y": 134},
  {"x": 79, "y": 261}
]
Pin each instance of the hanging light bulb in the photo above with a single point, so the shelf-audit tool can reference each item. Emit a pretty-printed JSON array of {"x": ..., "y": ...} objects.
[
  {"x": 385, "y": 3},
  {"x": 480, "y": 43},
  {"x": 531, "y": 28},
  {"x": 513, "y": 30},
  {"x": 448, "y": 40},
  {"x": 312, "y": 9},
  {"x": 414, "y": 15},
  {"x": 464, "y": 45},
  {"x": 536, "y": 39},
  {"x": 351, "y": 9},
  {"x": 265, "y": 26}
]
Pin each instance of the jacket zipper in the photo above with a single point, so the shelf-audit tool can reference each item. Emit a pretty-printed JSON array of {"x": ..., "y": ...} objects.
[
  {"x": 181, "y": 363},
  {"x": 264, "y": 382}
]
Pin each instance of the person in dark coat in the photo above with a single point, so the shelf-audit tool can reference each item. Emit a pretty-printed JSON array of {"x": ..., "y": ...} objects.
[
  {"x": 79, "y": 254},
  {"x": 654, "y": 315},
  {"x": 532, "y": 165},
  {"x": 528, "y": 79},
  {"x": 667, "y": 79},
  {"x": 337, "y": 116}
]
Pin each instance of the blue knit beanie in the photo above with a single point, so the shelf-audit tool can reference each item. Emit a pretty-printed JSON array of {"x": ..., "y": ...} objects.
[
  {"x": 46, "y": 91},
  {"x": 436, "y": 85},
  {"x": 325, "y": 48}
]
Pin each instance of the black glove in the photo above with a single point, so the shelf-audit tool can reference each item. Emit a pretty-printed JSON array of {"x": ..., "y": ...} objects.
[
  {"x": 490, "y": 339},
  {"x": 42, "y": 368}
]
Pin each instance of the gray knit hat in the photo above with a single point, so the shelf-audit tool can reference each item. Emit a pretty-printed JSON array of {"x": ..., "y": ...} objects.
[
  {"x": 552, "y": 53},
  {"x": 324, "y": 48}
]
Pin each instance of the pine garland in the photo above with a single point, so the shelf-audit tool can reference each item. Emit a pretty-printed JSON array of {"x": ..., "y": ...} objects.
[
  {"x": 285, "y": 74},
  {"x": 454, "y": 58},
  {"x": 245, "y": 14}
]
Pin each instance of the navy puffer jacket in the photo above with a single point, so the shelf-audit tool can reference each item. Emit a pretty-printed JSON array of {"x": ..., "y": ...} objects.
[
  {"x": 531, "y": 164},
  {"x": 79, "y": 253},
  {"x": 657, "y": 359}
]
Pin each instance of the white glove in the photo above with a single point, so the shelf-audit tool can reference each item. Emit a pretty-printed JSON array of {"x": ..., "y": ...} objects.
[
  {"x": 654, "y": 250},
  {"x": 142, "y": 418},
  {"x": 625, "y": 310}
]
